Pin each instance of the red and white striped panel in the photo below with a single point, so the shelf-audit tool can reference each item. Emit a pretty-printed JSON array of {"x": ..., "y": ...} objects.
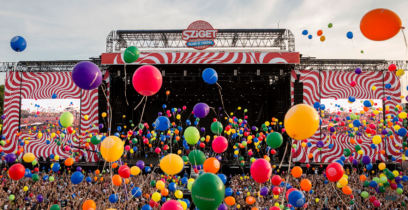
[
  {"x": 207, "y": 58},
  {"x": 41, "y": 85},
  {"x": 336, "y": 84}
]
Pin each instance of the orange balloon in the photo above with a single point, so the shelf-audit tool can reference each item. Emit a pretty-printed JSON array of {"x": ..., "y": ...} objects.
[
  {"x": 164, "y": 192},
  {"x": 380, "y": 24},
  {"x": 89, "y": 205},
  {"x": 230, "y": 201},
  {"x": 310, "y": 156},
  {"x": 250, "y": 200},
  {"x": 296, "y": 171},
  {"x": 301, "y": 121},
  {"x": 347, "y": 190},
  {"x": 363, "y": 178},
  {"x": 306, "y": 185},
  {"x": 254, "y": 208},
  {"x": 69, "y": 162},
  {"x": 97, "y": 172},
  {"x": 114, "y": 165},
  {"x": 211, "y": 165},
  {"x": 116, "y": 180},
  {"x": 319, "y": 32}
]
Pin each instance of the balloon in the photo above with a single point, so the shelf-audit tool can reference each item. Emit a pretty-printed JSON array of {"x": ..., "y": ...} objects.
[
  {"x": 113, "y": 198},
  {"x": 87, "y": 75},
  {"x": 334, "y": 172},
  {"x": 230, "y": 201},
  {"x": 196, "y": 157},
  {"x": 12, "y": 197},
  {"x": 116, "y": 180},
  {"x": 171, "y": 205},
  {"x": 381, "y": 166},
  {"x": 276, "y": 180},
  {"x": 160, "y": 185},
  {"x": 10, "y": 158},
  {"x": 95, "y": 140},
  {"x": 223, "y": 178},
  {"x": 77, "y": 177},
  {"x": 349, "y": 35},
  {"x": 140, "y": 164},
  {"x": 296, "y": 198},
  {"x": 131, "y": 54},
  {"x": 69, "y": 162},
  {"x": 210, "y": 76},
  {"x": 296, "y": 171},
  {"x": 364, "y": 194},
  {"x": 147, "y": 80},
  {"x": 28, "y": 157},
  {"x": 56, "y": 167},
  {"x": 55, "y": 207},
  {"x": 211, "y": 165},
  {"x": 208, "y": 191},
  {"x": 220, "y": 144},
  {"x": 18, "y": 43},
  {"x": 192, "y": 135},
  {"x": 305, "y": 32},
  {"x": 124, "y": 171},
  {"x": 274, "y": 140},
  {"x": 16, "y": 171},
  {"x": 66, "y": 119},
  {"x": 347, "y": 152},
  {"x": 380, "y": 24},
  {"x": 162, "y": 123},
  {"x": 134, "y": 170},
  {"x": 216, "y": 128},
  {"x": 306, "y": 185},
  {"x": 264, "y": 191},
  {"x": 201, "y": 110},
  {"x": 112, "y": 148},
  {"x": 250, "y": 200},
  {"x": 301, "y": 121},
  {"x": 261, "y": 170},
  {"x": 377, "y": 139},
  {"x": 171, "y": 164},
  {"x": 156, "y": 196}
]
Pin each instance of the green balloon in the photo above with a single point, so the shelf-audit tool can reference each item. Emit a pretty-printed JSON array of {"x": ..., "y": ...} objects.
[
  {"x": 55, "y": 207},
  {"x": 383, "y": 179},
  {"x": 12, "y": 197},
  {"x": 51, "y": 178},
  {"x": 196, "y": 157},
  {"x": 364, "y": 194},
  {"x": 216, "y": 127},
  {"x": 66, "y": 119},
  {"x": 399, "y": 191},
  {"x": 153, "y": 183},
  {"x": 208, "y": 191},
  {"x": 34, "y": 162},
  {"x": 357, "y": 147},
  {"x": 95, "y": 140},
  {"x": 274, "y": 140},
  {"x": 366, "y": 183},
  {"x": 134, "y": 140},
  {"x": 131, "y": 54},
  {"x": 347, "y": 152},
  {"x": 185, "y": 158},
  {"x": 381, "y": 189},
  {"x": 35, "y": 177},
  {"x": 330, "y": 25},
  {"x": 192, "y": 135}
]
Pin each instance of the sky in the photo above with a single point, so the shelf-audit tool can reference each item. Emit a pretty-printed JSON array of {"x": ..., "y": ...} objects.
[{"x": 77, "y": 29}]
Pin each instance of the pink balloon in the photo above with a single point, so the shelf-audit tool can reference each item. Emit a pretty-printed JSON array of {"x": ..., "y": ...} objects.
[
  {"x": 147, "y": 80},
  {"x": 172, "y": 205},
  {"x": 377, "y": 203},
  {"x": 127, "y": 147},
  {"x": 220, "y": 144},
  {"x": 261, "y": 170}
]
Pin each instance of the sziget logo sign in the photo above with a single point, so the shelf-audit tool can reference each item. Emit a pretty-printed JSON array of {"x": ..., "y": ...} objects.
[{"x": 199, "y": 35}]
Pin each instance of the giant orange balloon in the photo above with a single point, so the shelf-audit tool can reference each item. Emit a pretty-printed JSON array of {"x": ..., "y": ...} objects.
[
  {"x": 301, "y": 121},
  {"x": 380, "y": 24},
  {"x": 211, "y": 165},
  {"x": 89, "y": 205}
]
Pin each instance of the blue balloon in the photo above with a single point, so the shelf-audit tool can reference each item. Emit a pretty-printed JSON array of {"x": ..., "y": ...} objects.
[
  {"x": 322, "y": 106},
  {"x": 310, "y": 36},
  {"x": 316, "y": 105},
  {"x": 210, "y": 76},
  {"x": 402, "y": 132},
  {"x": 305, "y": 32},
  {"x": 88, "y": 179},
  {"x": 356, "y": 123},
  {"x": 296, "y": 198},
  {"x": 352, "y": 99},
  {"x": 146, "y": 207},
  {"x": 113, "y": 198},
  {"x": 388, "y": 86},
  {"x": 405, "y": 178},
  {"x": 18, "y": 43},
  {"x": 349, "y": 35},
  {"x": 147, "y": 169},
  {"x": 187, "y": 202},
  {"x": 54, "y": 95},
  {"x": 184, "y": 180},
  {"x": 367, "y": 103},
  {"x": 56, "y": 167},
  {"x": 228, "y": 191},
  {"x": 369, "y": 166},
  {"x": 162, "y": 123},
  {"x": 119, "y": 128},
  {"x": 373, "y": 184},
  {"x": 77, "y": 177},
  {"x": 52, "y": 156},
  {"x": 27, "y": 173},
  {"x": 172, "y": 187},
  {"x": 223, "y": 178},
  {"x": 136, "y": 192}
]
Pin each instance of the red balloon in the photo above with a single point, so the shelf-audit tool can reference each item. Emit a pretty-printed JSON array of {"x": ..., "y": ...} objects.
[
  {"x": 276, "y": 190},
  {"x": 334, "y": 172},
  {"x": 261, "y": 170},
  {"x": 274, "y": 208},
  {"x": 220, "y": 144},
  {"x": 377, "y": 203},
  {"x": 276, "y": 180},
  {"x": 16, "y": 171},
  {"x": 172, "y": 205},
  {"x": 147, "y": 80},
  {"x": 124, "y": 171}
]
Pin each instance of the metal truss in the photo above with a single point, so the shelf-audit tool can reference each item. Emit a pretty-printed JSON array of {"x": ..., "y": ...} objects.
[
  {"x": 282, "y": 39},
  {"x": 42, "y": 66},
  {"x": 310, "y": 63}
]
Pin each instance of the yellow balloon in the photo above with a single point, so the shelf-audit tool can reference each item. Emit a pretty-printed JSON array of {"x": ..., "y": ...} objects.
[
  {"x": 301, "y": 121},
  {"x": 376, "y": 139},
  {"x": 86, "y": 117},
  {"x": 171, "y": 164},
  {"x": 178, "y": 194},
  {"x": 381, "y": 166},
  {"x": 402, "y": 115},
  {"x": 343, "y": 181},
  {"x": 156, "y": 196},
  {"x": 28, "y": 157},
  {"x": 400, "y": 72},
  {"x": 104, "y": 114},
  {"x": 57, "y": 157},
  {"x": 183, "y": 204},
  {"x": 25, "y": 188},
  {"x": 112, "y": 148},
  {"x": 160, "y": 185},
  {"x": 395, "y": 172}
]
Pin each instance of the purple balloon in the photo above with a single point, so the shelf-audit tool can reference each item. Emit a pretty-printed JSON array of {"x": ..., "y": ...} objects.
[
  {"x": 3, "y": 116},
  {"x": 40, "y": 198},
  {"x": 366, "y": 159},
  {"x": 320, "y": 144},
  {"x": 264, "y": 191},
  {"x": 218, "y": 157},
  {"x": 201, "y": 110},
  {"x": 223, "y": 207},
  {"x": 355, "y": 162},
  {"x": 87, "y": 75},
  {"x": 397, "y": 179},
  {"x": 140, "y": 164},
  {"x": 100, "y": 126},
  {"x": 79, "y": 168},
  {"x": 384, "y": 132},
  {"x": 10, "y": 158},
  {"x": 358, "y": 71}
]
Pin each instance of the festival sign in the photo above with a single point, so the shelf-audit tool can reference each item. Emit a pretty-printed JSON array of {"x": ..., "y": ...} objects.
[{"x": 199, "y": 35}]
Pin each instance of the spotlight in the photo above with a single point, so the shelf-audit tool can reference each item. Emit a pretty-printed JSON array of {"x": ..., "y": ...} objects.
[
  {"x": 235, "y": 72},
  {"x": 258, "y": 72}
]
